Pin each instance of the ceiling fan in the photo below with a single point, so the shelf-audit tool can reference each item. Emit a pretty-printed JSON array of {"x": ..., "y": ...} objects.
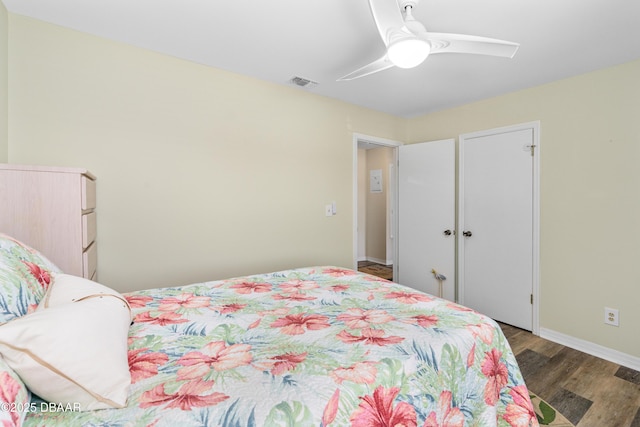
[{"x": 409, "y": 43}]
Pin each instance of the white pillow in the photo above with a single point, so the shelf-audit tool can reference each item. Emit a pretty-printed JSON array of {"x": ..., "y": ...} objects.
[{"x": 75, "y": 351}]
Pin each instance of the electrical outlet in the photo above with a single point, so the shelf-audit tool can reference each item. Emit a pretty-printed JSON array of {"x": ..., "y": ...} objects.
[{"x": 611, "y": 316}]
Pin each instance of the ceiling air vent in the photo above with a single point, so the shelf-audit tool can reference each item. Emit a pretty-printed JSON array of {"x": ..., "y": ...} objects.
[{"x": 302, "y": 82}]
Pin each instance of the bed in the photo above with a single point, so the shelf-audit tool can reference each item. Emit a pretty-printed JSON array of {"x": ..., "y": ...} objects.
[{"x": 316, "y": 346}]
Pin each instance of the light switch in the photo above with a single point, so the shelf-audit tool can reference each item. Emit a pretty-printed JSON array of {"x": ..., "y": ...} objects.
[{"x": 328, "y": 210}]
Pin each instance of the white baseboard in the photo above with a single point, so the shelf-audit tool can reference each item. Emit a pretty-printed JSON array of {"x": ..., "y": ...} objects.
[{"x": 588, "y": 347}]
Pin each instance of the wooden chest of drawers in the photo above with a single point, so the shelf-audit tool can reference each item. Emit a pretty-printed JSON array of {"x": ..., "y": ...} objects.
[{"x": 53, "y": 210}]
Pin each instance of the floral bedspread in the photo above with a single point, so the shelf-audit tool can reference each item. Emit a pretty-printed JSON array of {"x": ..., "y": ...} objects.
[{"x": 319, "y": 346}]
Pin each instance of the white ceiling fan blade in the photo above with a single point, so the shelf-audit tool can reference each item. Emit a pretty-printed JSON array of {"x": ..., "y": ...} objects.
[
  {"x": 461, "y": 43},
  {"x": 388, "y": 18},
  {"x": 377, "y": 65}
]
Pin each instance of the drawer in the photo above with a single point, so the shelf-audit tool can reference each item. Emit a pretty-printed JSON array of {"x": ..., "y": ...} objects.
[
  {"x": 89, "y": 229},
  {"x": 88, "y": 193},
  {"x": 90, "y": 261}
]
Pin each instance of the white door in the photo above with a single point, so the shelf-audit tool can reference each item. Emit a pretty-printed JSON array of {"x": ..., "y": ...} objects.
[
  {"x": 426, "y": 216},
  {"x": 496, "y": 240}
]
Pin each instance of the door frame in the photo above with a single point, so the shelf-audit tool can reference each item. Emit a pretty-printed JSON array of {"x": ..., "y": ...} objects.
[
  {"x": 382, "y": 142},
  {"x": 535, "y": 126}
]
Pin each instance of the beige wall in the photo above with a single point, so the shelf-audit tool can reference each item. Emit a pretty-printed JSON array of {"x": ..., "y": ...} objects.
[
  {"x": 590, "y": 198},
  {"x": 4, "y": 81},
  {"x": 202, "y": 174}
]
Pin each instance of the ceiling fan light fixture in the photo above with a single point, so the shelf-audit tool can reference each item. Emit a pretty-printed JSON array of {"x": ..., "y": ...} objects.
[{"x": 408, "y": 52}]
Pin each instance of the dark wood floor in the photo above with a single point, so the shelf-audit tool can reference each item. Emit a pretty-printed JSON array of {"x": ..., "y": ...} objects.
[
  {"x": 380, "y": 270},
  {"x": 588, "y": 391}
]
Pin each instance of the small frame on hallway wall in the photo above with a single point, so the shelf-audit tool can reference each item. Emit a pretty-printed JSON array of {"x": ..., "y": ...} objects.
[{"x": 375, "y": 181}]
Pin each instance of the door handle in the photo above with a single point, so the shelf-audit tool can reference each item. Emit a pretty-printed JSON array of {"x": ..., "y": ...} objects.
[
  {"x": 467, "y": 233},
  {"x": 448, "y": 232}
]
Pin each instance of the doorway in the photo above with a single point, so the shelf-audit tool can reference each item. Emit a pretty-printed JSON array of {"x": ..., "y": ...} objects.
[{"x": 374, "y": 204}]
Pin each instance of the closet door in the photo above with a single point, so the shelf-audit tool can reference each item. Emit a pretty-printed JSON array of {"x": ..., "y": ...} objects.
[
  {"x": 496, "y": 241},
  {"x": 426, "y": 216}
]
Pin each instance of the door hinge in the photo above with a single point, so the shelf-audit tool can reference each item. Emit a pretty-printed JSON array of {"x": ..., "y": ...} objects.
[
  {"x": 532, "y": 147},
  {"x": 532, "y": 299}
]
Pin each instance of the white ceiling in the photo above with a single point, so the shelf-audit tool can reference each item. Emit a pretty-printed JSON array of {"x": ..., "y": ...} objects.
[{"x": 322, "y": 40}]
